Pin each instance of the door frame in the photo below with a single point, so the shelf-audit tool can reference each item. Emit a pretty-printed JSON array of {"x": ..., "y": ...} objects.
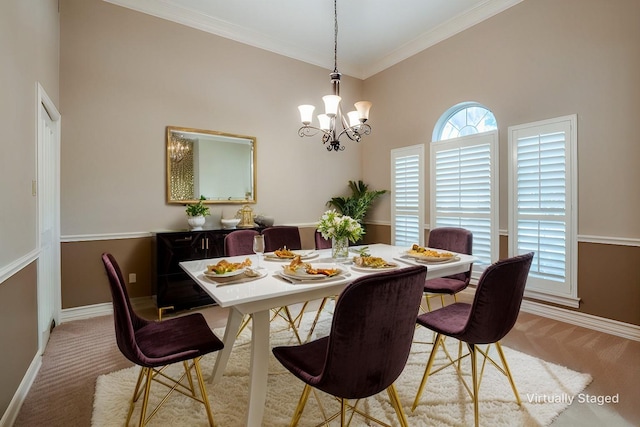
[{"x": 46, "y": 102}]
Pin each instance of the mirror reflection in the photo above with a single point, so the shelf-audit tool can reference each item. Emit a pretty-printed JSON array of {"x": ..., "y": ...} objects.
[{"x": 217, "y": 165}]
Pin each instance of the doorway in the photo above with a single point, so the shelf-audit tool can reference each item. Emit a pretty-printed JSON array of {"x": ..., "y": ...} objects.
[{"x": 47, "y": 190}]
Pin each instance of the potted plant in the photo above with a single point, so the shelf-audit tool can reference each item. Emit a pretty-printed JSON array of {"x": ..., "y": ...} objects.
[
  {"x": 196, "y": 214},
  {"x": 356, "y": 205}
]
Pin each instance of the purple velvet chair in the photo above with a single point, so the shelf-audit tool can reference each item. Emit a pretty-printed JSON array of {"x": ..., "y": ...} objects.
[
  {"x": 451, "y": 239},
  {"x": 321, "y": 242},
  {"x": 279, "y": 236},
  {"x": 368, "y": 344},
  {"x": 153, "y": 345},
  {"x": 487, "y": 320},
  {"x": 239, "y": 242}
]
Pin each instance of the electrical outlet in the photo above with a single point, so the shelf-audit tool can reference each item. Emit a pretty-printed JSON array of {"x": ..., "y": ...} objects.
[{"x": 132, "y": 277}]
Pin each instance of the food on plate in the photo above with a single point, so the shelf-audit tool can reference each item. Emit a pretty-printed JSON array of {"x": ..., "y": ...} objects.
[
  {"x": 371, "y": 262},
  {"x": 224, "y": 266},
  {"x": 297, "y": 264},
  {"x": 284, "y": 253},
  {"x": 419, "y": 250}
]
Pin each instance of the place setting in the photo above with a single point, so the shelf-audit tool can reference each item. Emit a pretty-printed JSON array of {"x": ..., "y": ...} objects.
[
  {"x": 229, "y": 273},
  {"x": 286, "y": 255},
  {"x": 419, "y": 255},
  {"x": 300, "y": 272}
]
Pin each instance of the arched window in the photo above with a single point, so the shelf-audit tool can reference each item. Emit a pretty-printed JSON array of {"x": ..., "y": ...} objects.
[
  {"x": 466, "y": 118},
  {"x": 463, "y": 177}
]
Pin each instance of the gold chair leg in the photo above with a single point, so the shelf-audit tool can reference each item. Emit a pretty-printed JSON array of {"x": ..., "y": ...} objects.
[
  {"x": 343, "y": 412},
  {"x": 203, "y": 391},
  {"x": 145, "y": 397},
  {"x": 474, "y": 378},
  {"x": 301, "y": 404},
  {"x": 432, "y": 356},
  {"x": 292, "y": 323},
  {"x": 317, "y": 317},
  {"x": 395, "y": 402},
  {"x": 508, "y": 372},
  {"x": 135, "y": 396}
]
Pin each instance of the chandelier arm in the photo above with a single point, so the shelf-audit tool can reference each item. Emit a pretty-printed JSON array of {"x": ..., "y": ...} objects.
[{"x": 312, "y": 131}]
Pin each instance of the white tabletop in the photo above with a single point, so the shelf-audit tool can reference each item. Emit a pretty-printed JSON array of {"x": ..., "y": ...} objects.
[{"x": 258, "y": 296}]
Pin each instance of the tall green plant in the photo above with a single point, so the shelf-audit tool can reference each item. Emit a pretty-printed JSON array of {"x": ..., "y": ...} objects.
[{"x": 356, "y": 205}]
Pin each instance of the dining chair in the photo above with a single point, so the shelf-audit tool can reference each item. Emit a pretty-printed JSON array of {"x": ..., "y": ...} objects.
[
  {"x": 154, "y": 345},
  {"x": 452, "y": 239},
  {"x": 321, "y": 242},
  {"x": 368, "y": 344},
  {"x": 239, "y": 242},
  {"x": 487, "y": 320},
  {"x": 279, "y": 236}
]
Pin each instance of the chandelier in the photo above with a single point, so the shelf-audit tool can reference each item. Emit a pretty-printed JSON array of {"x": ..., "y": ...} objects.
[
  {"x": 333, "y": 124},
  {"x": 179, "y": 148}
]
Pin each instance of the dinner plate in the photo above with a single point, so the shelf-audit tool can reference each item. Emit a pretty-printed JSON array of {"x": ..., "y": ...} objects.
[
  {"x": 301, "y": 274},
  {"x": 271, "y": 256},
  {"x": 214, "y": 275},
  {"x": 431, "y": 258},
  {"x": 363, "y": 269}
]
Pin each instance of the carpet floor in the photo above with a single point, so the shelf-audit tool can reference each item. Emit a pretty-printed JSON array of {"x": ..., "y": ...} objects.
[{"x": 545, "y": 390}]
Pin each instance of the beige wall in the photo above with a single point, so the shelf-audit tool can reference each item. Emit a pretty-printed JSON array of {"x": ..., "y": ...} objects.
[
  {"x": 125, "y": 76},
  {"x": 537, "y": 60},
  {"x": 29, "y": 49},
  {"x": 29, "y": 46}
]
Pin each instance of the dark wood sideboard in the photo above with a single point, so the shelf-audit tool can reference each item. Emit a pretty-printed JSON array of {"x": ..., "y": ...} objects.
[{"x": 172, "y": 286}]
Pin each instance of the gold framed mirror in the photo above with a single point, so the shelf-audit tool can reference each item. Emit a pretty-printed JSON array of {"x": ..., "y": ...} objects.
[{"x": 219, "y": 166}]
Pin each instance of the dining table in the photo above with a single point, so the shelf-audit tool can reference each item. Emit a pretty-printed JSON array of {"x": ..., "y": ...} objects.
[{"x": 271, "y": 289}]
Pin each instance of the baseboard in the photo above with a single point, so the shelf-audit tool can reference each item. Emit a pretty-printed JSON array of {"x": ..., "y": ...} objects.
[
  {"x": 104, "y": 309},
  {"x": 589, "y": 321},
  {"x": 11, "y": 414}
]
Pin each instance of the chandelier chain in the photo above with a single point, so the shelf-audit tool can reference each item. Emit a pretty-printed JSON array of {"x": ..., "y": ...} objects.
[{"x": 335, "y": 36}]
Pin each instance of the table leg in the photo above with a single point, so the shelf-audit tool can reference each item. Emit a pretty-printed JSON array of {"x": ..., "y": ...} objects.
[
  {"x": 230, "y": 332},
  {"x": 259, "y": 370}
]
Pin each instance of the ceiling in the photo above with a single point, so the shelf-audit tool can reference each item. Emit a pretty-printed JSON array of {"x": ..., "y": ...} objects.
[{"x": 372, "y": 34}]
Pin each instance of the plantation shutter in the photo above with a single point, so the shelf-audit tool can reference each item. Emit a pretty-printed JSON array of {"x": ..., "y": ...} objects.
[
  {"x": 407, "y": 177},
  {"x": 464, "y": 190},
  {"x": 541, "y": 217}
]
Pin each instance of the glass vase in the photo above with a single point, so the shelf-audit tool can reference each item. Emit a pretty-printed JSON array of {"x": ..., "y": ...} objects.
[{"x": 339, "y": 248}]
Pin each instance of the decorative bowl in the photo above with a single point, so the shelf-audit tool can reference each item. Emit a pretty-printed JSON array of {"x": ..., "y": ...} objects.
[{"x": 229, "y": 222}]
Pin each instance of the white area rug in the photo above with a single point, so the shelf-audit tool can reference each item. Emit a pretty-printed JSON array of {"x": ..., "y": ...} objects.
[{"x": 545, "y": 390}]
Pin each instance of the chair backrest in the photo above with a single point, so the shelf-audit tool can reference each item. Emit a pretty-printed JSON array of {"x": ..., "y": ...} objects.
[
  {"x": 125, "y": 319},
  {"x": 497, "y": 300},
  {"x": 453, "y": 239},
  {"x": 371, "y": 334},
  {"x": 279, "y": 236},
  {"x": 239, "y": 242},
  {"x": 321, "y": 242}
]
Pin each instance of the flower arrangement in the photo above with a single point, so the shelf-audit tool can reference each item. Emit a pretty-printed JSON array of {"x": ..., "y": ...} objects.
[
  {"x": 199, "y": 209},
  {"x": 334, "y": 225}
]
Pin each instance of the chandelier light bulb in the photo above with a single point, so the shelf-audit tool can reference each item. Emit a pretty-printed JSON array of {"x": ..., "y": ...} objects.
[
  {"x": 331, "y": 103},
  {"x": 354, "y": 118},
  {"x": 306, "y": 113},
  {"x": 325, "y": 122},
  {"x": 363, "y": 108}
]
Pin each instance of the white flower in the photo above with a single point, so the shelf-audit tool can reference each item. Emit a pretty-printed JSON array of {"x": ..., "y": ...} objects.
[{"x": 335, "y": 225}]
